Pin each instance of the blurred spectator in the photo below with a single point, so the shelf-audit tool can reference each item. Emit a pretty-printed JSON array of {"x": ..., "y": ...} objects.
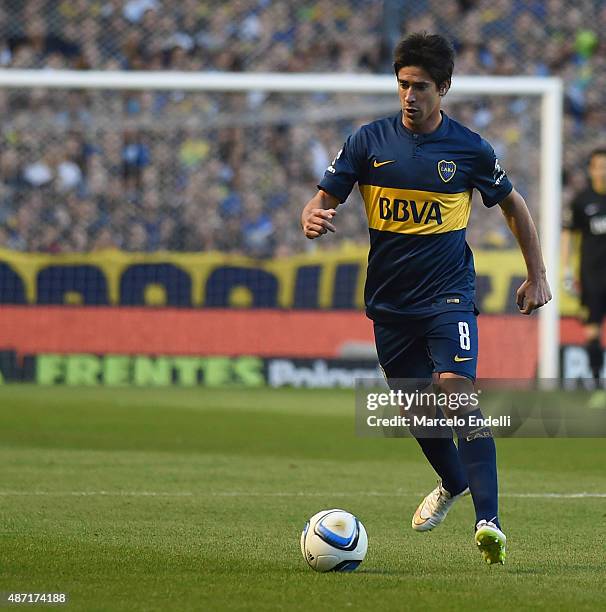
[
  {"x": 190, "y": 172},
  {"x": 257, "y": 227}
]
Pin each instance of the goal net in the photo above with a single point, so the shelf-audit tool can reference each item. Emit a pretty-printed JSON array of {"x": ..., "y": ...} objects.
[{"x": 150, "y": 225}]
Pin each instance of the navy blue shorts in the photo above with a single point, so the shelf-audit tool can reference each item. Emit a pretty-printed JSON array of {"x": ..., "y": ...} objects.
[{"x": 418, "y": 348}]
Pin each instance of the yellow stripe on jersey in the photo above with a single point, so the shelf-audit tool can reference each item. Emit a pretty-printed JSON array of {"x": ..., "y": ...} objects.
[{"x": 408, "y": 211}]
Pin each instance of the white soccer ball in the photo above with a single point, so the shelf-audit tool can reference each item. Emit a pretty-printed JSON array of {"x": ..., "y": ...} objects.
[{"x": 334, "y": 540}]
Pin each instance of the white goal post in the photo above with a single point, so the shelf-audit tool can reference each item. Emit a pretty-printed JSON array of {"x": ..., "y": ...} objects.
[{"x": 549, "y": 89}]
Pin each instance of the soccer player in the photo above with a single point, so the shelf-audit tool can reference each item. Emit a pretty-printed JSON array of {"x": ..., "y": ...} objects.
[
  {"x": 416, "y": 171},
  {"x": 587, "y": 216}
]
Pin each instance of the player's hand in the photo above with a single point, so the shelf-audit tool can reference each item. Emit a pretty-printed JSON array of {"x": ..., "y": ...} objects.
[
  {"x": 317, "y": 222},
  {"x": 533, "y": 294}
]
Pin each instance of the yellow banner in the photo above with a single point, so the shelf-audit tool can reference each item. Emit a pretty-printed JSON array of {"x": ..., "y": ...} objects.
[{"x": 327, "y": 279}]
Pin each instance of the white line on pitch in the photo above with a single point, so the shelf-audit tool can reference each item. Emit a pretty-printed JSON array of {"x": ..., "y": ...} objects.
[
  {"x": 273, "y": 494},
  {"x": 386, "y": 494},
  {"x": 96, "y": 493}
]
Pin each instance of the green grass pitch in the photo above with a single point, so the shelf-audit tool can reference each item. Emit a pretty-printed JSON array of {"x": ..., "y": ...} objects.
[{"x": 132, "y": 499}]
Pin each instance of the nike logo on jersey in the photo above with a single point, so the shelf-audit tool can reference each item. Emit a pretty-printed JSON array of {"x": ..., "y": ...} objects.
[
  {"x": 459, "y": 359},
  {"x": 377, "y": 164}
]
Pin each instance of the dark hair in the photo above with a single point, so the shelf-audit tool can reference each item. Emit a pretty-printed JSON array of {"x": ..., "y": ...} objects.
[
  {"x": 432, "y": 52},
  {"x": 597, "y": 151}
]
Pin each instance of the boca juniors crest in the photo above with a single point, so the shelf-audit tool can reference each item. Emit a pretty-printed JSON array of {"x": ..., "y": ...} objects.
[{"x": 446, "y": 169}]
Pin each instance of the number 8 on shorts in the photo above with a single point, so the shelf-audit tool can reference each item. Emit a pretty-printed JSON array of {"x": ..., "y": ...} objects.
[{"x": 464, "y": 341}]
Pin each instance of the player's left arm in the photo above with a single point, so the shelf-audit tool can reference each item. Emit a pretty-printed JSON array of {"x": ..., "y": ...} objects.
[{"x": 534, "y": 291}]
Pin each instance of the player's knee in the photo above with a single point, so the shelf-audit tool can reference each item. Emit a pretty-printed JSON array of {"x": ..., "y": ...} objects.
[
  {"x": 456, "y": 392},
  {"x": 469, "y": 423},
  {"x": 449, "y": 382}
]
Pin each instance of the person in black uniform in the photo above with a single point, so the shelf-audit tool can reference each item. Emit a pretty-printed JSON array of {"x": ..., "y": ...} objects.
[{"x": 587, "y": 216}]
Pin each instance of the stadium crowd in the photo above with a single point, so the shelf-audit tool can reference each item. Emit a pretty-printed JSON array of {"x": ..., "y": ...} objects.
[{"x": 144, "y": 171}]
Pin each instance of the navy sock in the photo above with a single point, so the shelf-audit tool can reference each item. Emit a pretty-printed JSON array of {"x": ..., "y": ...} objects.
[
  {"x": 444, "y": 458},
  {"x": 479, "y": 458},
  {"x": 437, "y": 445}
]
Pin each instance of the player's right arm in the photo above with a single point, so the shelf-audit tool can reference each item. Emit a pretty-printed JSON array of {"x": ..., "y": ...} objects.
[
  {"x": 335, "y": 186},
  {"x": 317, "y": 216}
]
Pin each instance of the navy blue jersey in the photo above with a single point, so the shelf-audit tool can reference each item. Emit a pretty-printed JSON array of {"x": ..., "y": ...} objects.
[{"x": 417, "y": 194}]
